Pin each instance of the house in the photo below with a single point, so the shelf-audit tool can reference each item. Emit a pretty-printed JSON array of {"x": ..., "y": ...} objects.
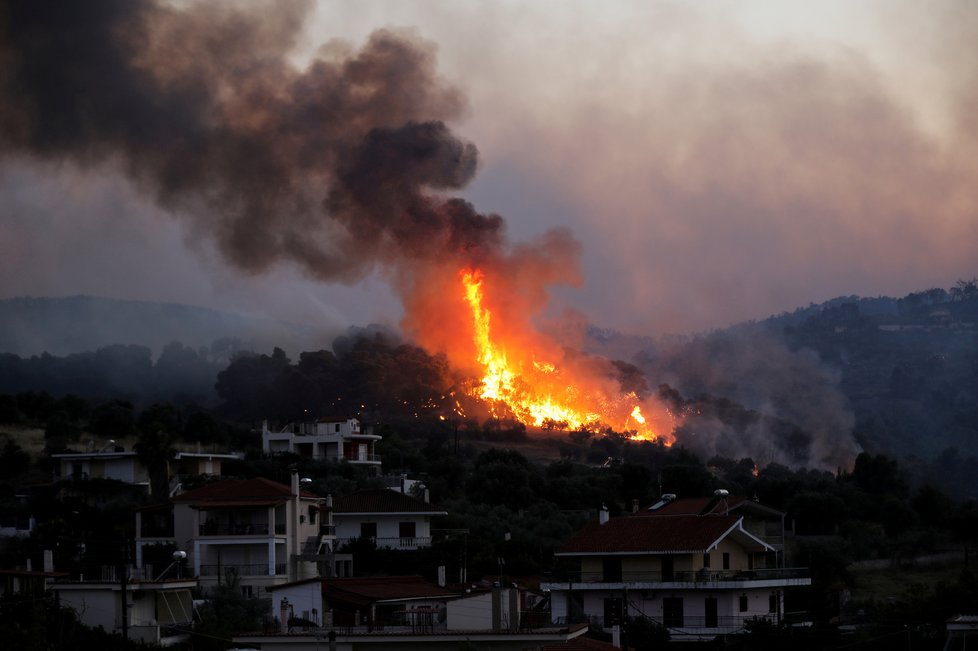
[
  {"x": 301, "y": 599},
  {"x": 126, "y": 466},
  {"x": 329, "y": 439},
  {"x": 405, "y": 639},
  {"x": 698, "y": 575},
  {"x": 384, "y": 601},
  {"x": 389, "y": 518},
  {"x": 760, "y": 520},
  {"x": 115, "y": 463},
  {"x": 257, "y": 531},
  {"x": 156, "y": 612},
  {"x": 394, "y": 613}
]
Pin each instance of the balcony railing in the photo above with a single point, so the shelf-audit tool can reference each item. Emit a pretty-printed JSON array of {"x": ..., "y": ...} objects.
[
  {"x": 395, "y": 542},
  {"x": 252, "y": 529},
  {"x": 253, "y": 569},
  {"x": 698, "y": 576},
  {"x": 698, "y": 624}
]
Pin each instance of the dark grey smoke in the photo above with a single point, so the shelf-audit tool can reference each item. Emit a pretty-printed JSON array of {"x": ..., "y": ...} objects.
[{"x": 335, "y": 167}]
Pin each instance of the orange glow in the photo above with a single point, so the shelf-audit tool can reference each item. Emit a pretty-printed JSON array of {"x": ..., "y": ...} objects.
[{"x": 540, "y": 392}]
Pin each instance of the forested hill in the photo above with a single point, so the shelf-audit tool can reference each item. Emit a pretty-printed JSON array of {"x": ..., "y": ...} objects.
[
  {"x": 900, "y": 374},
  {"x": 76, "y": 324},
  {"x": 810, "y": 388}
]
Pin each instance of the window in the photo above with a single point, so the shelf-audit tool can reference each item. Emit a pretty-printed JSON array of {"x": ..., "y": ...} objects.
[
  {"x": 368, "y": 529},
  {"x": 672, "y": 611},
  {"x": 337, "y": 427},
  {"x": 611, "y": 568},
  {"x": 706, "y": 560},
  {"x": 726, "y": 560},
  {"x": 312, "y": 514},
  {"x": 668, "y": 568},
  {"x": 743, "y": 603},
  {"x": 772, "y": 603},
  {"x": 407, "y": 529}
]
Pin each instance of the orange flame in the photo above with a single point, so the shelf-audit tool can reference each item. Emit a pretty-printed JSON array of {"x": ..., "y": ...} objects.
[{"x": 538, "y": 393}]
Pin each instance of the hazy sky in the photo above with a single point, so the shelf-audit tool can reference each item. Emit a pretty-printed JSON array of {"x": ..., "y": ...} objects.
[{"x": 717, "y": 161}]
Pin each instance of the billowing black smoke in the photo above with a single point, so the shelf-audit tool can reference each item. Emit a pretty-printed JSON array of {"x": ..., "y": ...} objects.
[{"x": 334, "y": 167}]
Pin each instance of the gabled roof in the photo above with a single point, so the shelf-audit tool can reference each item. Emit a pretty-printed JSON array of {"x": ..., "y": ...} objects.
[
  {"x": 680, "y": 534},
  {"x": 377, "y": 589},
  {"x": 382, "y": 500},
  {"x": 240, "y": 492}
]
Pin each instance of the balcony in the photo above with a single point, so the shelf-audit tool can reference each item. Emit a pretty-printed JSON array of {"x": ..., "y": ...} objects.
[
  {"x": 704, "y": 576},
  {"x": 395, "y": 542},
  {"x": 223, "y": 529},
  {"x": 253, "y": 569}
]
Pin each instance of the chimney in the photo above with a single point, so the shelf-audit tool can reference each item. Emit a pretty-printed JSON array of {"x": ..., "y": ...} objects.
[
  {"x": 427, "y": 495},
  {"x": 283, "y": 615},
  {"x": 295, "y": 482},
  {"x": 48, "y": 560},
  {"x": 603, "y": 515}
]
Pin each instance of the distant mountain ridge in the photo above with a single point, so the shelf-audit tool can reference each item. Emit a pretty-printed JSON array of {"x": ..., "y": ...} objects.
[{"x": 62, "y": 326}]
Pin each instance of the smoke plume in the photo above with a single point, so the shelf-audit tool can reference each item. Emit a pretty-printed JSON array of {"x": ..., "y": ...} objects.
[{"x": 335, "y": 167}]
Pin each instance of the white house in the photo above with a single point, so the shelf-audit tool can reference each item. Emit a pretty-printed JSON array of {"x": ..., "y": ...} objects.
[
  {"x": 257, "y": 531},
  {"x": 698, "y": 575},
  {"x": 126, "y": 466},
  {"x": 157, "y": 612},
  {"x": 114, "y": 463},
  {"x": 330, "y": 439},
  {"x": 389, "y": 518}
]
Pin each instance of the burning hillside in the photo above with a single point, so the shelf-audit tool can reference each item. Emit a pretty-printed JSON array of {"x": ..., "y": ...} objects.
[{"x": 341, "y": 167}]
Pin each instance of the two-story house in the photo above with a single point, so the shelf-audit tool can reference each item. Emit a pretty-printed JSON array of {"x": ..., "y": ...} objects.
[
  {"x": 698, "y": 575},
  {"x": 257, "y": 531},
  {"x": 389, "y": 518},
  {"x": 330, "y": 439},
  {"x": 115, "y": 462},
  {"x": 762, "y": 521}
]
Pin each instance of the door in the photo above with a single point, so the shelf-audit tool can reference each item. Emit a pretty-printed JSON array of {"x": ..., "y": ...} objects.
[
  {"x": 612, "y": 611},
  {"x": 672, "y": 612},
  {"x": 710, "y": 612},
  {"x": 668, "y": 568}
]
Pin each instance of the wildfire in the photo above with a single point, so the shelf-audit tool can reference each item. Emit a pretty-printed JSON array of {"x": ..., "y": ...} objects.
[{"x": 537, "y": 392}]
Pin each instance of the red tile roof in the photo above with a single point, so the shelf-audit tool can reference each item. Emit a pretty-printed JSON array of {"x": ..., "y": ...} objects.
[
  {"x": 233, "y": 492},
  {"x": 681, "y": 533},
  {"x": 382, "y": 501}
]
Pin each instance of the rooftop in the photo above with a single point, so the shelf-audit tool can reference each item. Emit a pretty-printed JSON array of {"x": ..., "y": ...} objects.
[
  {"x": 233, "y": 492},
  {"x": 383, "y": 500},
  {"x": 677, "y": 534}
]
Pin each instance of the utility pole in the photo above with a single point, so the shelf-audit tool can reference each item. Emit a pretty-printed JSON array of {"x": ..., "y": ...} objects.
[{"x": 124, "y": 580}]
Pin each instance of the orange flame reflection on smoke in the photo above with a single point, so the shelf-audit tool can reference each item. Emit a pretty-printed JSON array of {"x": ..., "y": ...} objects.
[{"x": 537, "y": 394}]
